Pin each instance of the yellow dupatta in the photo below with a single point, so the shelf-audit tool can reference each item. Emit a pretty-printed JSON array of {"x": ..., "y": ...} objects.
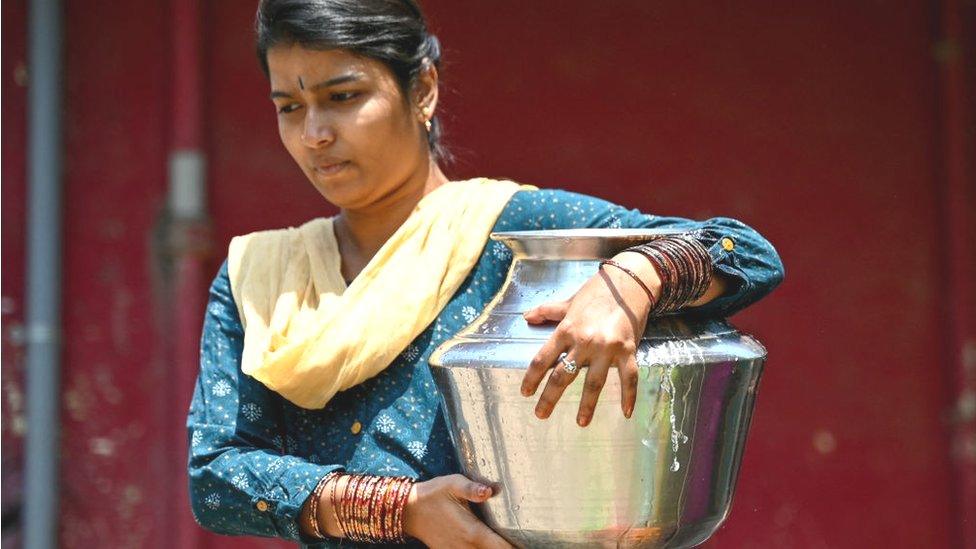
[{"x": 307, "y": 336}]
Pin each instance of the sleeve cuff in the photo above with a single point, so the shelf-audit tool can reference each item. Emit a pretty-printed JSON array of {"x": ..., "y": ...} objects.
[
  {"x": 283, "y": 502},
  {"x": 722, "y": 250}
]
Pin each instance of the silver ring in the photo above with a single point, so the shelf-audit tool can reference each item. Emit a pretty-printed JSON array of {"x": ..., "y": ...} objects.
[{"x": 569, "y": 365}]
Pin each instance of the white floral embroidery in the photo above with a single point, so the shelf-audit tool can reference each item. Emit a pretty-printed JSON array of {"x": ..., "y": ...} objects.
[
  {"x": 501, "y": 251},
  {"x": 292, "y": 529},
  {"x": 275, "y": 464},
  {"x": 240, "y": 481},
  {"x": 411, "y": 353},
  {"x": 221, "y": 389},
  {"x": 212, "y": 501},
  {"x": 385, "y": 424},
  {"x": 614, "y": 222},
  {"x": 417, "y": 448},
  {"x": 251, "y": 411},
  {"x": 469, "y": 313},
  {"x": 196, "y": 439}
]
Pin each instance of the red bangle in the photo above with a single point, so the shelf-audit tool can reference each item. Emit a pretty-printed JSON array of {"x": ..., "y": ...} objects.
[
  {"x": 371, "y": 508},
  {"x": 403, "y": 495}
]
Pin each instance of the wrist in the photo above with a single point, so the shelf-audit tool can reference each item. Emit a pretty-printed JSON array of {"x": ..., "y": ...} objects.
[
  {"x": 316, "y": 517},
  {"x": 640, "y": 266},
  {"x": 328, "y": 522},
  {"x": 684, "y": 268},
  {"x": 410, "y": 513},
  {"x": 365, "y": 508}
]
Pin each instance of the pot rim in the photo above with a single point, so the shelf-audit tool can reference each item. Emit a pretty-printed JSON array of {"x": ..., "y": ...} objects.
[{"x": 576, "y": 244}]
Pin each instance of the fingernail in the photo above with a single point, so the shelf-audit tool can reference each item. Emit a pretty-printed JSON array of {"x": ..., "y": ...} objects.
[
  {"x": 583, "y": 421},
  {"x": 629, "y": 412},
  {"x": 484, "y": 491}
]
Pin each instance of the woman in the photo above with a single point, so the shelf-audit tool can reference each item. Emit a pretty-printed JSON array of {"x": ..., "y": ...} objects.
[{"x": 330, "y": 376}]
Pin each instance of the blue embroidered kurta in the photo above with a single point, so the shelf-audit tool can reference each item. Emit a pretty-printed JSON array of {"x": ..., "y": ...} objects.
[{"x": 255, "y": 457}]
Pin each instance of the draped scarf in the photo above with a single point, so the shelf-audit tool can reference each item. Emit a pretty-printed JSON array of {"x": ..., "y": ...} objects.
[{"x": 308, "y": 336}]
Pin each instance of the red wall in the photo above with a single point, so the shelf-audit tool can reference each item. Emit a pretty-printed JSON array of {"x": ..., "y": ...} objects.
[
  {"x": 13, "y": 82},
  {"x": 817, "y": 123}
]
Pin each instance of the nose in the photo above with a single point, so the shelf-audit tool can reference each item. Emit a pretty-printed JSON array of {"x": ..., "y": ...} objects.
[{"x": 318, "y": 130}]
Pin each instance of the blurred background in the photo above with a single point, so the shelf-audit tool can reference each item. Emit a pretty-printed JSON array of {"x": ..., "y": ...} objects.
[{"x": 842, "y": 130}]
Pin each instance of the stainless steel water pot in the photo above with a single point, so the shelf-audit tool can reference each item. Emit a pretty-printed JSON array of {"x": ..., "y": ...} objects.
[{"x": 663, "y": 478}]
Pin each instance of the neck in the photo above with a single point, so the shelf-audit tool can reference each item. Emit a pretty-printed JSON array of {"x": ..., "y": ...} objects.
[{"x": 361, "y": 233}]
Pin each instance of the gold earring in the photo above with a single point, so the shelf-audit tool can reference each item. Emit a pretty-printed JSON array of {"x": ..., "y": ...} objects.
[{"x": 424, "y": 114}]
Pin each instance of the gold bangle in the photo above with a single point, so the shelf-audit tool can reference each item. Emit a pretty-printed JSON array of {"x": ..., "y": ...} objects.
[{"x": 313, "y": 507}]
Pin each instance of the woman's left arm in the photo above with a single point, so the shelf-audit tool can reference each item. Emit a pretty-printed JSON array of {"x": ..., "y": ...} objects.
[{"x": 600, "y": 326}]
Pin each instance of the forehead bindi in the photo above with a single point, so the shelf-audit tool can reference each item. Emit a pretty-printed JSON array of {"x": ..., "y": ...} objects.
[{"x": 304, "y": 69}]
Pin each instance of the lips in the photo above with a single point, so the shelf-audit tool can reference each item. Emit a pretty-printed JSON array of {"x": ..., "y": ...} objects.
[{"x": 331, "y": 167}]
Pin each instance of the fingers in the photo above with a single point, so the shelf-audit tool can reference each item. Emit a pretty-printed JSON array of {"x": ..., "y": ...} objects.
[
  {"x": 541, "y": 362},
  {"x": 464, "y": 488},
  {"x": 547, "y": 312},
  {"x": 628, "y": 384},
  {"x": 477, "y": 533},
  {"x": 442, "y": 516},
  {"x": 596, "y": 378},
  {"x": 559, "y": 379},
  {"x": 598, "y": 368}
]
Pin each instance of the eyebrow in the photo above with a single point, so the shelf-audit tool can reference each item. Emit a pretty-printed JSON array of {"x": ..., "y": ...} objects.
[{"x": 351, "y": 77}]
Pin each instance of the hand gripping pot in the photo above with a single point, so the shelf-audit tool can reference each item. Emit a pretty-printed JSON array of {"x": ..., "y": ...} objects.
[{"x": 663, "y": 478}]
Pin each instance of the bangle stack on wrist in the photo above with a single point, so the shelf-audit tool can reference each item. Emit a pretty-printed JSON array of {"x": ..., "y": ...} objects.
[
  {"x": 367, "y": 509},
  {"x": 685, "y": 269}
]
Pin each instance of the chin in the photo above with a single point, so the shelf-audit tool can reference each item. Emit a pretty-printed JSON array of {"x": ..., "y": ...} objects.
[{"x": 345, "y": 194}]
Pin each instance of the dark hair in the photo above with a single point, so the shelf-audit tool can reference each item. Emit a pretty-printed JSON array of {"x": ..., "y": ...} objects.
[{"x": 391, "y": 31}]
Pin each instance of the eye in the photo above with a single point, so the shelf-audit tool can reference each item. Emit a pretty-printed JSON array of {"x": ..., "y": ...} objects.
[
  {"x": 287, "y": 108},
  {"x": 344, "y": 96}
]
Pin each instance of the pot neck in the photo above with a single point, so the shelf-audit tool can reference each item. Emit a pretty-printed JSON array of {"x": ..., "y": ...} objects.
[{"x": 575, "y": 244}]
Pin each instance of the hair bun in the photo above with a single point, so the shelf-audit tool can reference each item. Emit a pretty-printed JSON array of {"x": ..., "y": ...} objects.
[{"x": 432, "y": 49}]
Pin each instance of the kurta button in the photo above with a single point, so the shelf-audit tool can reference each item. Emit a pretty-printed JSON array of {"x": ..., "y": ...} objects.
[
  {"x": 262, "y": 505},
  {"x": 356, "y": 427},
  {"x": 727, "y": 244}
]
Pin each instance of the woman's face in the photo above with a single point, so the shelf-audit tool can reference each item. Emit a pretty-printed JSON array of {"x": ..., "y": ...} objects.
[{"x": 344, "y": 120}]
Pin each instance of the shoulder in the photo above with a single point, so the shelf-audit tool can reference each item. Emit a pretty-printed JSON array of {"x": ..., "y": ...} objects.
[
  {"x": 275, "y": 239},
  {"x": 260, "y": 259},
  {"x": 265, "y": 249},
  {"x": 222, "y": 310}
]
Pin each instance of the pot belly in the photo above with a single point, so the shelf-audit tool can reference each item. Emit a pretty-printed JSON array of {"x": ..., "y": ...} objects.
[{"x": 663, "y": 478}]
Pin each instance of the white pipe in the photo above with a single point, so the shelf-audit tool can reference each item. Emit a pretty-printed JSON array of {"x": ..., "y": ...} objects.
[{"x": 43, "y": 286}]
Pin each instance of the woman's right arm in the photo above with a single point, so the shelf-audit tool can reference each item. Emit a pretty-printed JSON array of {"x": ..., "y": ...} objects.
[{"x": 241, "y": 480}]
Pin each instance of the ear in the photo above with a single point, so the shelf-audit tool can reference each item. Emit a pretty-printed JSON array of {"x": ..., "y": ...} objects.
[{"x": 425, "y": 89}]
